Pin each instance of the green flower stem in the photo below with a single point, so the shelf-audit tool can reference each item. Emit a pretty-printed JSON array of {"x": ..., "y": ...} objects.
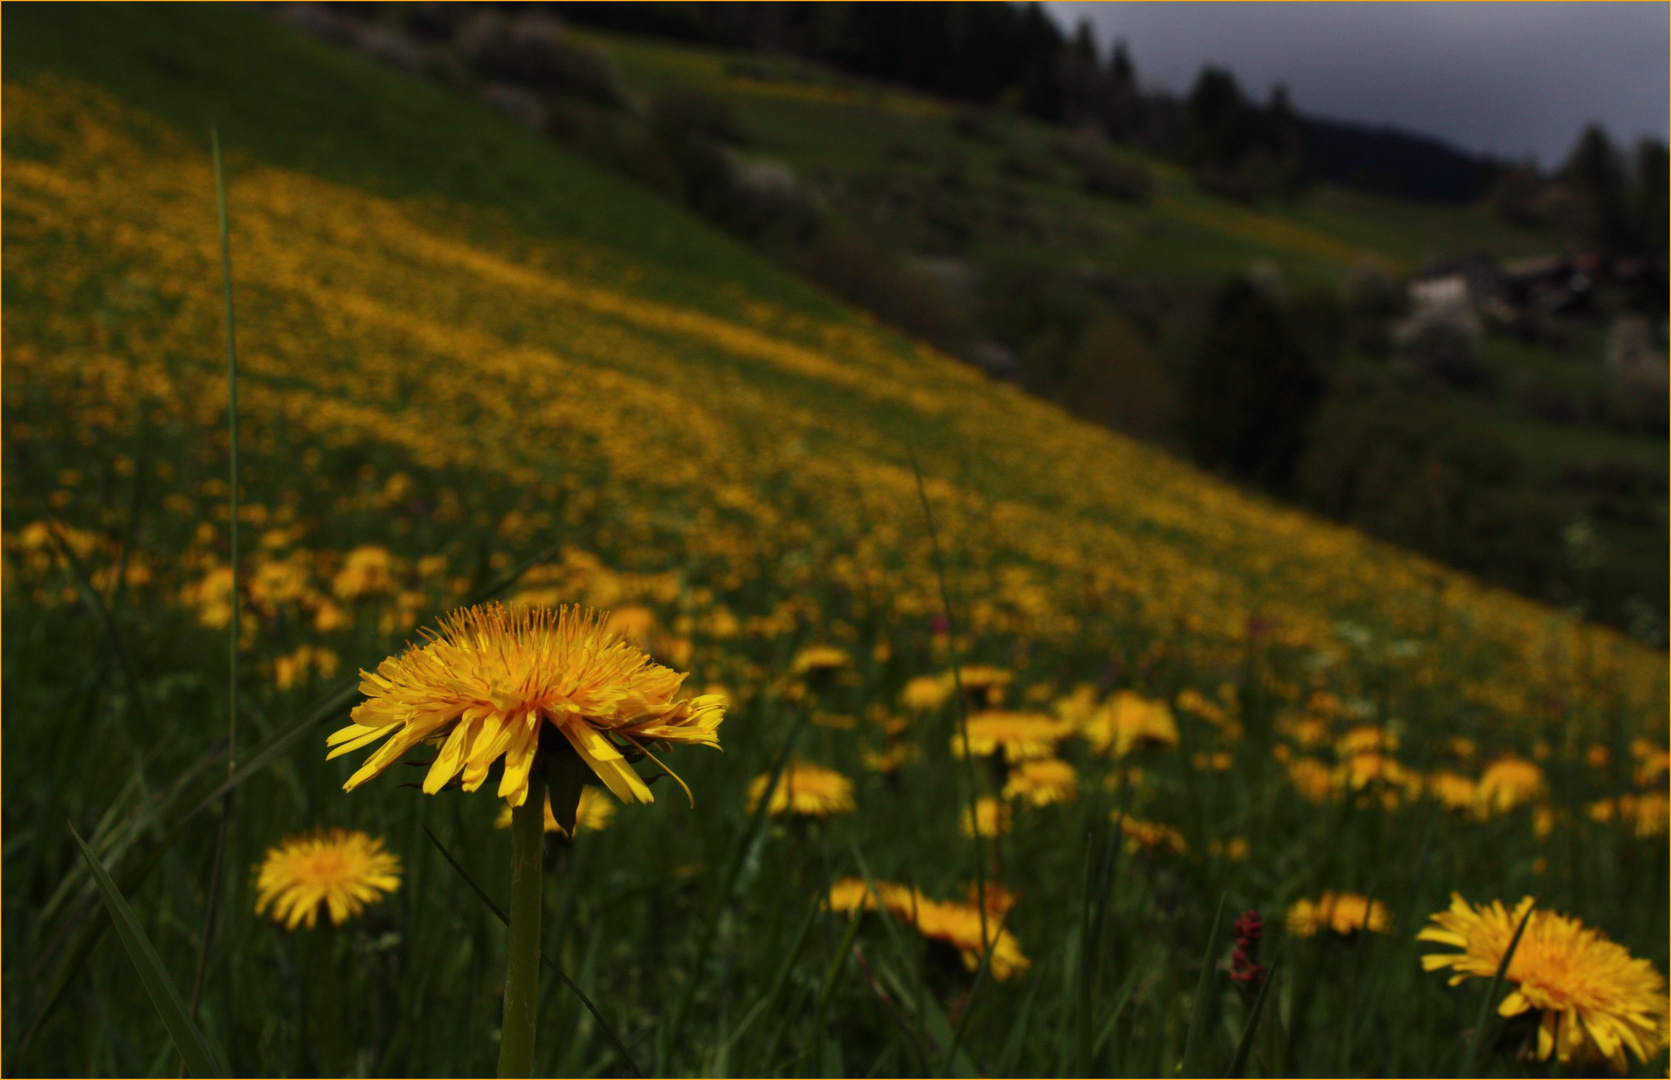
[{"x": 522, "y": 962}]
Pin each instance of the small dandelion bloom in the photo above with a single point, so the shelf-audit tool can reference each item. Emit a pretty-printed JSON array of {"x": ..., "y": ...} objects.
[
  {"x": 1020, "y": 736},
  {"x": 1593, "y": 999},
  {"x": 983, "y": 684},
  {"x": 341, "y": 869},
  {"x": 1507, "y": 783},
  {"x": 804, "y": 790},
  {"x": 495, "y": 679},
  {"x": 1042, "y": 782},
  {"x": 819, "y": 659},
  {"x": 1453, "y": 790},
  {"x": 1652, "y": 763},
  {"x": 1645, "y": 816},
  {"x": 889, "y": 760},
  {"x": 1311, "y": 778},
  {"x": 992, "y": 816},
  {"x": 1345, "y": 914},
  {"x": 950, "y": 922},
  {"x": 926, "y": 693},
  {"x": 1366, "y": 737},
  {"x": 1130, "y": 722},
  {"x": 595, "y": 812},
  {"x": 1151, "y": 836}
]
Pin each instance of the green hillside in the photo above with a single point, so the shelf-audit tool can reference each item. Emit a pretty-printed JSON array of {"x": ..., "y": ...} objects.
[{"x": 469, "y": 361}]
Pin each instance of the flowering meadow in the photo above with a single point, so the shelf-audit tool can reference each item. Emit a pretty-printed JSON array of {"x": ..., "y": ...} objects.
[{"x": 1043, "y": 753}]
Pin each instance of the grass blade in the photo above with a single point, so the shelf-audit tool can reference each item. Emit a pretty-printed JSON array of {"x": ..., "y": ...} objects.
[
  {"x": 200, "y": 1060},
  {"x": 1203, "y": 999},
  {"x": 499, "y": 913},
  {"x": 1244, "y": 1047},
  {"x": 1470, "y": 1062}
]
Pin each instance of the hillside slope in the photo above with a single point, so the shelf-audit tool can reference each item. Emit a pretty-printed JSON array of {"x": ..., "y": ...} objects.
[{"x": 769, "y": 440}]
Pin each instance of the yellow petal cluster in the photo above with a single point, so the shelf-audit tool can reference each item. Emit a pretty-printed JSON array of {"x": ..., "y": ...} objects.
[
  {"x": 1344, "y": 913},
  {"x": 1594, "y": 999},
  {"x": 340, "y": 869},
  {"x": 1020, "y": 736},
  {"x": 950, "y": 921},
  {"x": 492, "y": 680},
  {"x": 1128, "y": 722},
  {"x": 805, "y": 790},
  {"x": 1041, "y": 782}
]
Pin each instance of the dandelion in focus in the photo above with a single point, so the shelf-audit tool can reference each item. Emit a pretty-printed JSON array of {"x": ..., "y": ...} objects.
[
  {"x": 1344, "y": 913},
  {"x": 1593, "y": 1000},
  {"x": 804, "y": 790},
  {"x": 498, "y": 683},
  {"x": 341, "y": 870}
]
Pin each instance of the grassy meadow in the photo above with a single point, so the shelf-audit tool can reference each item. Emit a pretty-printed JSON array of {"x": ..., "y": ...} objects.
[{"x": 469, "y": 361}]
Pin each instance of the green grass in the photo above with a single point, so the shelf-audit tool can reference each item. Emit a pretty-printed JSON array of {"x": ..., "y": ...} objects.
[{"x": 459, "y": 342}]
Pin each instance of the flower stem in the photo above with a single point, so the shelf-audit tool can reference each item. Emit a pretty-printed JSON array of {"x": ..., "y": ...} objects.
[{"x": 522, "y": 963}]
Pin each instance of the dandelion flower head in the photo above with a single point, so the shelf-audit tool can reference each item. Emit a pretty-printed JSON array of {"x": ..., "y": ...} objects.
[
  {"x": 495, "y": 679},
  {"x": 1507, "y": 783},
  {"x": 820, "y": 658},
  {"x": 1344, "y": 913},
  {"x": 341, "y": 869},
  {"x": 1041, "y": 782},
  {"x": 1129, "y": 722},
  {"x": 806, "y": 790},
  {"x": 1151, "y": 835},
  {"x": 1020, "y": 736},
  {"x": 948, "y": 921},
  {"x": 1594, "y": 999}
]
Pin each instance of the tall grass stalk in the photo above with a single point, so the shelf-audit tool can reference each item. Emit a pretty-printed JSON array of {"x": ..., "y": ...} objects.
[{"x": 215, "y": 872}]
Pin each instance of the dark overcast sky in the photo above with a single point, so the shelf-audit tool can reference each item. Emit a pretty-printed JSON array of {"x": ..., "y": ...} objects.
[{"x": 1510, "y": 79}]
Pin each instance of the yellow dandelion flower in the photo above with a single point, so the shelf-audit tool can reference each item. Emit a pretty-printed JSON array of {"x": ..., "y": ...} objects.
[
  {"x": 1041, "y": 782},
  {"x": 1652, "y": 763},
  {"x": 1645, "y": 816},
  {"x": 948, "y": 921},
  {"x": 1365, "y": 738},
  {"x": 342, "y": 869},
  {"x": 497, "y": 679},
  {"x": 1507, "y": 783},
  {"x": 368, "y": 570},
  {"x": 926, "y": 693},
  {"x": 1193, "y": 701},
  {"x": 1345, "y": 914},
  {"x": 1311, "y": 778},
  {"x": 1374, "y": 769},
  {"x": 992, "y": 816},
  {"x": 982, "y": 683},
  {"x": 804, "y": 789},
  {"x": 1593, "y": 998},
  {"x": 1151, "y": 836},
  {"x": 1020, "y": 736},
  {"x": 895, "y": 757},
  {"x": 594, "y": 813},
  {"x": 634, "y": 624},
  {"x": 1129, "y": 722},
  {"x": 820, "y": 658},
  {"x": 1453, "y": 790}
]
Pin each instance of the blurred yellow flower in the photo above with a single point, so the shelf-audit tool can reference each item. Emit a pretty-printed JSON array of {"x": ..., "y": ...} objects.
[
  {"x": 493, "y": 680},
  {"x": 1593, "y": 999},
  {"x": 1344, "y": 913},
  {"x": 805, "y": 790},
  {"x": 926, "y": 693},
  {"x": 1151, "y": 835},
  {"x": 1020, "y": 736},
  {"x": 1645, "y": 816},
  {"x": 341, "y": 869},
  {"x": 895, "y": 757},
  {"x": 820, "y": 659},
  {"x": 595, "y": 812},
  {"x": 983, "y": 684},
  {"x": 1311, "y": 778},
  {"x": 992, "y": 816},
  {"x": 1507, "y": 783},
  {"x": 1453, "y": 790},
  {"x": 1041, "y": 782},
  {"x": 1128, "y": 722},
  {"x": 949, "y": 921}
]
